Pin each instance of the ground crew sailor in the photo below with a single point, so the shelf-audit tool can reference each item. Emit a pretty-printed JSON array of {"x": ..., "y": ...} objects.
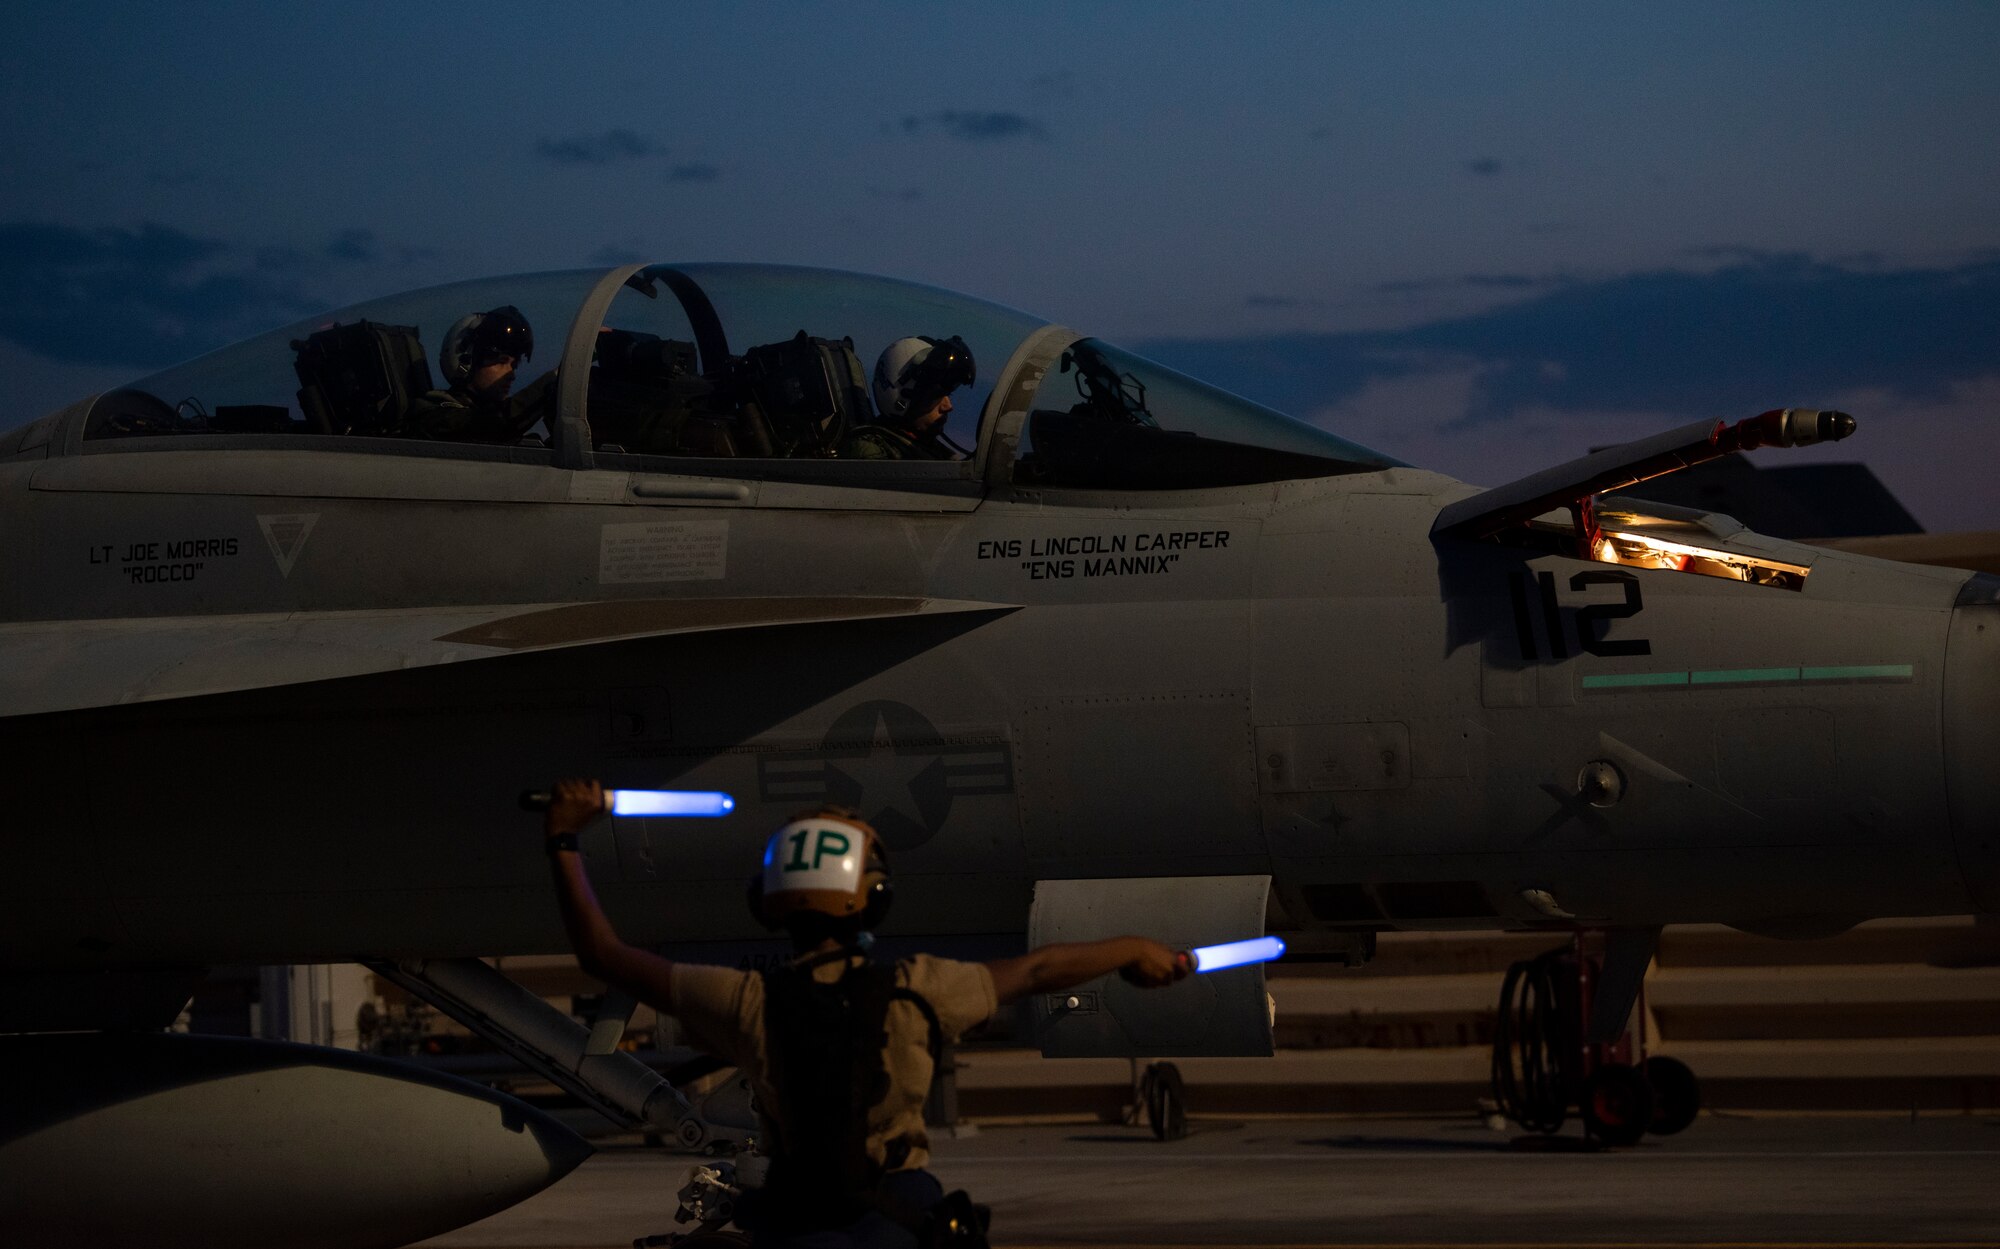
[
  {"x": 914, "y": 378},
  {"x": 839, "y": 1049},
  {"x": 479, "y": 357}
]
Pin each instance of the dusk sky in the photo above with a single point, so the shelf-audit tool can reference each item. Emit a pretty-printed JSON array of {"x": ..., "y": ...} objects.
[{"x": 1481, "y": 238}]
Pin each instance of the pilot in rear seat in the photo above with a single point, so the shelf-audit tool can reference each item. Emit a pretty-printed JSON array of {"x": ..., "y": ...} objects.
[
  {"x": 479, "y": 357},
  {"x": 838, "y": 1047},
  {"x": 914, "y": 378}
]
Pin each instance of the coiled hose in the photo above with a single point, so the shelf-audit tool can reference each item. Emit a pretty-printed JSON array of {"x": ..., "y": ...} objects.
[{"x": 1534, "y": 1041}]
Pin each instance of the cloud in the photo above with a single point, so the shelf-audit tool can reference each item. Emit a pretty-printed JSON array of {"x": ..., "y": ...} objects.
[
  {"x": 1753, "y": 334},
  {"x": 1297, "y": 373},
  {"x": 1476, "y": 281},
  {"x": 1055, "y": 81},
  {"x": 1484, "y": 167},
  {"x": 1733, "y": 252},
  {"x": 1505, "y": 281},
  {"x": 971, "y": 127},
  {"x": 611, "y": 147},
  {"x": 1280, "y": 302},
  {"x": 279, "y": 256},
  {"x": 1761, "y": 333},
  {"x": 351, "y": 247},
  {"x": 355, "y": 246},
  {"x": 141, "y": 297},
  {"x": 694, "y": 171},
  {"x": 614, "y": 254}
]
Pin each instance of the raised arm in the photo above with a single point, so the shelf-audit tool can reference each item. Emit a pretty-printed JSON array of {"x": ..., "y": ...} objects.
[
  {"x": 1140, "y": 960},
  {"x": 599, "y": 951}
]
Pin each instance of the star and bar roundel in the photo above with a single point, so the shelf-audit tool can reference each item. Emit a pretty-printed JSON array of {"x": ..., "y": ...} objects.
[{"x": 888, "y": 761}]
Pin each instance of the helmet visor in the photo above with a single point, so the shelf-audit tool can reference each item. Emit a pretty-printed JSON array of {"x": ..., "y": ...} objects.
[
  {"x": 947, "y": 366},
  {"x": 503, "y": 334}
]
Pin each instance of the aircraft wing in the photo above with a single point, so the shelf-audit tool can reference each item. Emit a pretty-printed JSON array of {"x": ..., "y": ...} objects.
[{"x": 68, "y": 665}]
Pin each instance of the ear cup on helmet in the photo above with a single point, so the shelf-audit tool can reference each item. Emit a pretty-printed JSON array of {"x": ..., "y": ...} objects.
[
  {"x": 876, "y": 909},
  {"x": 754, "y": 895},
  {"x": 455, "y": 354}
]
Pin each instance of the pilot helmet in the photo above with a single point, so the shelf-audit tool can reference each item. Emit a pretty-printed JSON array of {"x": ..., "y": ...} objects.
[
  {"x": 484, "y": 337},
  {"x": 825, "y": 873},
  {"x": 913, "y": 373}
]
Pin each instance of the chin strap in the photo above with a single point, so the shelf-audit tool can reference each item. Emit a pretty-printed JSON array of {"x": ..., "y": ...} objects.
[{"x": 858, "y": 948}]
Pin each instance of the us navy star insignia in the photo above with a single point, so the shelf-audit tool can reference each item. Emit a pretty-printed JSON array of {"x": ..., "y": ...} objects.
[{"x": 887, "y": 761}]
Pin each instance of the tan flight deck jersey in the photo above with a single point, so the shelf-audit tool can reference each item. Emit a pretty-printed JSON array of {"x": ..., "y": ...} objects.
[{"x": 723, "y": 1013}]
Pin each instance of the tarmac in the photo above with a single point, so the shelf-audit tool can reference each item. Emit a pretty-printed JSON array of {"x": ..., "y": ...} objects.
[{"x": 1728, "y": 1182}]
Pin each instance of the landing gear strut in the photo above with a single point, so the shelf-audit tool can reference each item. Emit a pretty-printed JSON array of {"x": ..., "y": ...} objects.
[
  {"x": 1159, "y": 1094},
  {"x": 584, "y": 1062}
]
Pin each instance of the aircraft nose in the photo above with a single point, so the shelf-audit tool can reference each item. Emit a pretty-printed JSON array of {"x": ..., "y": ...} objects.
[{"x": 1972, "y": 735}]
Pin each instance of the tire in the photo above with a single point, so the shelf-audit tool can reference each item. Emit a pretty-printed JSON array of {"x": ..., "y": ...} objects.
[
  {"x": 1165, "y": 1097},
  {"x": 1617, "y": 1104},
  {"x": 1676, "y": 1095}
]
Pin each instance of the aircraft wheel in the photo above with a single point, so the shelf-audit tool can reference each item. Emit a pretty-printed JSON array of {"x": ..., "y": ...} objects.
[
  {"x": 1676, "y": 1095},
  {"x": 1165, "y": 1099},
  {"x": 1617, "y": 1104}
]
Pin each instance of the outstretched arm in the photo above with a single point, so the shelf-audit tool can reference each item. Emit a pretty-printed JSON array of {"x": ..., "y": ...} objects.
[
  {"x": 1140, "y": 960},
  {"x": 599, "y": 951}
]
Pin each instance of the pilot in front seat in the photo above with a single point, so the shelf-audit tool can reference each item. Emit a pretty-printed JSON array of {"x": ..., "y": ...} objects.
[
  {"x": 479, "y": 357},
  {"x": 914, "y": 378}
]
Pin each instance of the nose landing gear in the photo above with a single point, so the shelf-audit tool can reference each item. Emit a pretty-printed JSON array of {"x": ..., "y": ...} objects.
[{"x": 1159, "y": 1094}]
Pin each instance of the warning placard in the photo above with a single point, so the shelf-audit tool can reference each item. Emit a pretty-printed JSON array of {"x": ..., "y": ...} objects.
[{"x": 665, "y": 550}]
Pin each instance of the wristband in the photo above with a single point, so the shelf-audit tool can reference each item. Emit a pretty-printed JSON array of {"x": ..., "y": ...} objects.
[{"x": 561, "y": 842}]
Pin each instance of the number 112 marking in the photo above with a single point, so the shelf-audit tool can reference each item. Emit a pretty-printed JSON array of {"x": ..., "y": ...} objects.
[{"x": 1531, "y": 590}]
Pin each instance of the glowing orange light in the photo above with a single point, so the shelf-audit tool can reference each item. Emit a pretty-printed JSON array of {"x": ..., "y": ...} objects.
[{"x": 1645, "y": 550}]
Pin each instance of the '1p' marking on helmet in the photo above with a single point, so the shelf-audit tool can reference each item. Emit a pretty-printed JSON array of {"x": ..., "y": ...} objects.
[
  {"x": 482, "y": 337},
  {"x": 827, "y": 863}
]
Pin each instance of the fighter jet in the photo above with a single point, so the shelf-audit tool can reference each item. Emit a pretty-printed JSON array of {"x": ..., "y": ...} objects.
[{"x": 274, "y": 669}]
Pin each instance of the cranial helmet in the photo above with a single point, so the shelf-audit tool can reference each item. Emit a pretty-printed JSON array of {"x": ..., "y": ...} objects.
[
  {"x": 913, "y": 373},
  {"x": 826, "y": 863},
  {"x": 482, "y": 338}
]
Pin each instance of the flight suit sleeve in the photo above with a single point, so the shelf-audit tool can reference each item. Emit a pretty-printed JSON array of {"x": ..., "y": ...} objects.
[
  {"x": 437, "y": 415},
  {"x": 443, "y": 416},
  {"x": 868, "y": 443},
  {"x": 961, "y": 993},
  {"x": 715, "y": 1010},
  {"x": 537, "y": 401}
]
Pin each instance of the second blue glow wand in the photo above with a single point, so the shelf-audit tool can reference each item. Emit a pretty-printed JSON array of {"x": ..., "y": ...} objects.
[{"x": 1234, "y": 954}]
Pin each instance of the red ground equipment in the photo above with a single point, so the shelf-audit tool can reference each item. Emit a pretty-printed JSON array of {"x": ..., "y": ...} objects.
[{"x": 1546, "y": 1066}]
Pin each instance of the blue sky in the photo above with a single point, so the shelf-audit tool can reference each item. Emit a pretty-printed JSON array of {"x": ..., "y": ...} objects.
[{"x": 1479, "y": 237}]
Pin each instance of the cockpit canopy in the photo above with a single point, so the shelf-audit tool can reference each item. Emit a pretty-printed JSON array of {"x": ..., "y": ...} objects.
[{"x": 752, "y": 370}]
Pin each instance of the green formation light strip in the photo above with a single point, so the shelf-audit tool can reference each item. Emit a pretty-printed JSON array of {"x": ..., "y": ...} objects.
[{"x": 1748, "y": 676}]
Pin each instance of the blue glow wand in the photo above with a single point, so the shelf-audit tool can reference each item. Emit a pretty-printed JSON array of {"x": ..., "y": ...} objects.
[
  {"x": 660, "y": 802},
  {"x": 1235, "y": 953}
]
